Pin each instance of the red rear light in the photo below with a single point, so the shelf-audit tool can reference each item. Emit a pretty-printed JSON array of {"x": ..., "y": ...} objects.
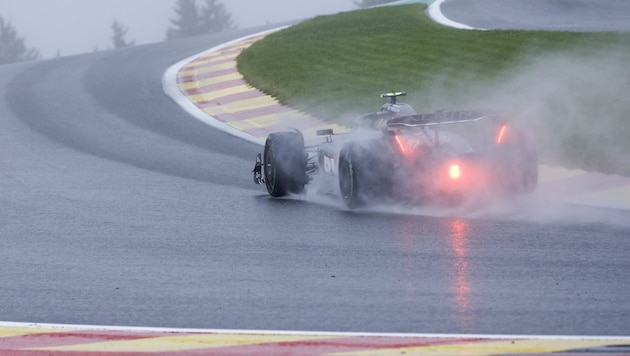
[
  {"x": 454, "y": 171},
  {"x": 400, "y": 144},
  {"x": 502, "y": 132}
]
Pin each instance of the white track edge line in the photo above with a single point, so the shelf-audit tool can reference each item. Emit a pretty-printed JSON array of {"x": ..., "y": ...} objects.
[
  {"x": 435, "y": 13},
  {"x": 303, "y": 333}
]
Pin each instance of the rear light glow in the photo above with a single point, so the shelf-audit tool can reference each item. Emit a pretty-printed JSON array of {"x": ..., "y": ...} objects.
[
  {"x": 454, "y": 171},
  {"x": 501, "y": 135},
  {"x": 400, "y": 144}
]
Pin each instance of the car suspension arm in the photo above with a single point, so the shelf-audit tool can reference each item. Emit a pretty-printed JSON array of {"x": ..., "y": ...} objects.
[{"x": 258, "y": 178}]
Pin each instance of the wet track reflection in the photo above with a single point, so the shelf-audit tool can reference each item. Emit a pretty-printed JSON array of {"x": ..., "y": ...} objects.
[{"x": 462, "y": 288}]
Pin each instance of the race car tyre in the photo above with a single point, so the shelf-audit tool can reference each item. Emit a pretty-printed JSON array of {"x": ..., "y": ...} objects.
[
  {"x": 284, "y": 164},
  {"x": 361, "y": 175},
  {"x": 349, "y": 172}
]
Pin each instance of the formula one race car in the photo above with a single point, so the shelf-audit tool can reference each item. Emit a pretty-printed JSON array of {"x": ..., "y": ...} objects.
[{"x": 397, "y": 155}]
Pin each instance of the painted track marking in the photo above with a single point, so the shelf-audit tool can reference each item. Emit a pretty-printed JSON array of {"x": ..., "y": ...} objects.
[{"x": 51, "y": 339}]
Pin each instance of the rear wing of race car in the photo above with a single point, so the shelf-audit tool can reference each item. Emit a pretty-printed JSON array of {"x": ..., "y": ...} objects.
[{"x": 441, "y": 118}]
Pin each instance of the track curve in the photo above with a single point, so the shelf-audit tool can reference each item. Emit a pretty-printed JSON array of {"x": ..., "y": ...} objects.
[{"x": 120, "y": 209}]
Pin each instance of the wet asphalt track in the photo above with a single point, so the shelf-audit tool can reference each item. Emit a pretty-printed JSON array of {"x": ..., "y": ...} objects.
[
  {"x": 552, "y": 15},
  {"x": 117, "y": 208}
]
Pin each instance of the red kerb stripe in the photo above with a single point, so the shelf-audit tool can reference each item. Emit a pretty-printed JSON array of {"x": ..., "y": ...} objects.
[
  {"x": 208, "y": 75},
  {"x": 71, "y": 338},
  {"x": 214, "y": 87}
]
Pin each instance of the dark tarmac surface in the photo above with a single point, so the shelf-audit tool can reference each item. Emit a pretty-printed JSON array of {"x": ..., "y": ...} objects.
[
  {"x": 552, "y": 15},
  {"x": 117, "y": 208}
]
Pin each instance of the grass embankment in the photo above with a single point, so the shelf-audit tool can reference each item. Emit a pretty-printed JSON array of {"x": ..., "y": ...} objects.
[{"x": 572, "y": 89}]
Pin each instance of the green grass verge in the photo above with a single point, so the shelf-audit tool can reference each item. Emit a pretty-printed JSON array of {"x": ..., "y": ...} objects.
[{"x": 571, "y": 88}]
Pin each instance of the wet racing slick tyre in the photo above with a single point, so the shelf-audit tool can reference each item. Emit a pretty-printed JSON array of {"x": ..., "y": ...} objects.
[
  {"x": 284, "y": 164},
  {"x": 361, "y": 179}
]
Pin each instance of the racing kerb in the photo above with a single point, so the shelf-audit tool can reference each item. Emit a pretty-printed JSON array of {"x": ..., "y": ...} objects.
[
  {"x": 48, "y": 339},
  {"x": 210, "y": 88}
]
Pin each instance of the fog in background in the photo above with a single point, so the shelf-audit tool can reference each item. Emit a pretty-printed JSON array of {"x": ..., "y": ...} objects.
[{"x": 68, "y": 27}]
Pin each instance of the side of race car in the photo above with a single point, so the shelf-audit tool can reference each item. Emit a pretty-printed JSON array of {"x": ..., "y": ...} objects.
[{"x": 397, "y": 155}]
